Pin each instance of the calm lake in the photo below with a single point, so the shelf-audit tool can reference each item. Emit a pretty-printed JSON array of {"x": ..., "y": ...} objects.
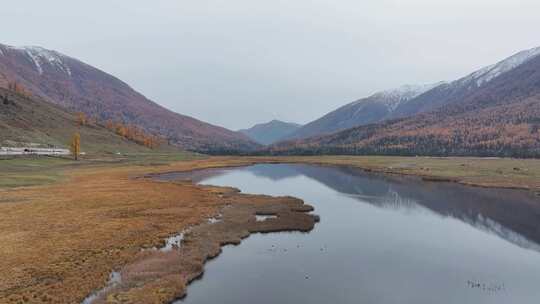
[{"x": 381, "y": 239}]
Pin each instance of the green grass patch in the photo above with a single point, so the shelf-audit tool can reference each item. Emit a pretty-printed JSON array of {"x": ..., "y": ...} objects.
[{"x": 33, "y": 171}]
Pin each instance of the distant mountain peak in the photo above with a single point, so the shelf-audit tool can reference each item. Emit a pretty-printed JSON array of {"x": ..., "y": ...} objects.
[
  {"x": 367, "y": 110},
  {"x": 270, "y": 132},
  {"x": 277, "y": 122},
  {"x": 409, "y": 90},
  {"x": 393, "y": 97}
]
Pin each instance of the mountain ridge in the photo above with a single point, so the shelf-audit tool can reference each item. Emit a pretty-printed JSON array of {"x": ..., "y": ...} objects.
[
  {"x": 77, "y": 86},
  {"x": 399, "y": 103},
  {"x": 367, "y": 110},
  {"x": 453, "y": 91},
  {"x": 270, "y": 132},
  {"x": 499, "y": 118}
]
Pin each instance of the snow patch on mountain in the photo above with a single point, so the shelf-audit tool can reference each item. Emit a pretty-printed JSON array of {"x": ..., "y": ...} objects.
[
  {"x": 41, "y": 56},
  {"x": 392, "y": 98},
  {"x": 489, "y": 73},
  {"x": 36, "y": 61}
]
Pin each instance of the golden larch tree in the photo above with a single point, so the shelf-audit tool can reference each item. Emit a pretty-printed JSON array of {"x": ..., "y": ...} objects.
[
  {"x": 75, "y": 146},
  {"x": 82, "y": 120}
]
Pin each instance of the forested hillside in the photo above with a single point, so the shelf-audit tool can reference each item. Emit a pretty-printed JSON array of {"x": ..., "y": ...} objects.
[{"x": 501, "y": 118}]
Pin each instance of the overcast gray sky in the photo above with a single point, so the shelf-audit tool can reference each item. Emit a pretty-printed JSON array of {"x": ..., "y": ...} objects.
[{"x": 239, "y": 62}]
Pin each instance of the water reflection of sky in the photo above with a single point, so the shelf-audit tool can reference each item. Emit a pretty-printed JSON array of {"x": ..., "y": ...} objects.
[{"x": 394, "y": 239}]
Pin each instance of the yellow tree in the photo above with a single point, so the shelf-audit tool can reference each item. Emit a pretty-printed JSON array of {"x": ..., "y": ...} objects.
[
  {"x": 121, "y": 129},
  {"x": 75, "y": 146},
  {"x": 81, "y": 119},
  {"x": 109, "y": 124}
]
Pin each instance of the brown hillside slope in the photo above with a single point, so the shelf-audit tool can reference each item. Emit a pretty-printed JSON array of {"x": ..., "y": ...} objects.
[
  {"x": 26, "y": 120},
  {"x": 80, "y": 87}
]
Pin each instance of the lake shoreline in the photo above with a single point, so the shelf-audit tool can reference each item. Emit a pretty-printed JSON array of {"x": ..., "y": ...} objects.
[
  {"x": 494, "y": 179},
  {"x": 504, "y": 173},
  {"x": 164, "y": 276},
  {"x": 368, "y": 205}
]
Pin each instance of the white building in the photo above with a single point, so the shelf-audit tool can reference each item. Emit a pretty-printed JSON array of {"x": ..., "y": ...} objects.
[{"x": 33, "y": 151}]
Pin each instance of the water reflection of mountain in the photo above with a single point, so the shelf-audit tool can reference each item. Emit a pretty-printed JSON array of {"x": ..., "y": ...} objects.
[
  {"x": 196, "y": 175},
  {"x": 274, "y": 172},
  {"x": 513, "y": 215}
]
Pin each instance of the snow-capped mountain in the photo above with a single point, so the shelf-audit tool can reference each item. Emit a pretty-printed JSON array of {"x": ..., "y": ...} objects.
[
  {"x": 452, "y": 92},
  {"x": 40, "y": 57},
  {"x": 77, "y": 86},
  {"x": 410, "y": 100},
  {"x": 393, "y": 98},
  {"x": 368, "y": 110},
  {"x": 488, "y": 73},
  {"x": 495, "y": 112}
]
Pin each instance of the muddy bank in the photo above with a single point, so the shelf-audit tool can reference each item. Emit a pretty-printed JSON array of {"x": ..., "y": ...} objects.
[{"x": 158, "y": 276}]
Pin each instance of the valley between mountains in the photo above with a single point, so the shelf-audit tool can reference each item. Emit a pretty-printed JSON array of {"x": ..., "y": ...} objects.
[
  {"x": 71, "y": 225},
  {"x": 491, "y": 112}
]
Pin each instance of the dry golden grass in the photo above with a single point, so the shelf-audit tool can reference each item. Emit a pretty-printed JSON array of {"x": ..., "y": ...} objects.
[
  {"x": 61, "y": 241},
  {"x": 162, "y": 276}
]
